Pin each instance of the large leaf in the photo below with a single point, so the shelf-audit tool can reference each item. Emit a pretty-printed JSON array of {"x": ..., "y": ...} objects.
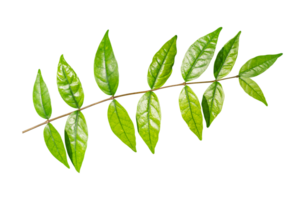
[
  {"x": 191, "y": 111},
  {"x": 199, "y": 55},
  {"x": 121, "y": 124},
  {"x": 226, "y": 58},
  {"x": 55, "y": 144},
  {"x": 76, "y": 136},
  {"x": 41, "y": 98},
  {"x": 212, "y": 102},
  {"x": 258, "y": 65},
  {"x": 251, "y": 88},
  {"x": 69, "y": 85},
  {"x": 161, "y": 66},
  {"x": 149, "y": 119},
  {"x": 106, "y": 71}
]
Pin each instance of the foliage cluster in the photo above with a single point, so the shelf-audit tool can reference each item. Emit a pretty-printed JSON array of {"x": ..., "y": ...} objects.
[{"x": 148, "y": 115}]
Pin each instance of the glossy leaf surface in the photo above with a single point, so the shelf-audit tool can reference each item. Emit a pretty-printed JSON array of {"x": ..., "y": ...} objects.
[
  {"x": 76, "y": 137},
  {"x": 106, "y": 70},
  {"x": 199, "y": 55},
  {"x": 55, "y": 144},
  {"x": 41, "y": 98},
  {"x": 121, "y": 124},
  {"x": 251, "y": 88},
  {"x": 258, "y": 65},
  {"x": 226, "y": 58},
  {"x": 212, "y": 102},
  {"x": 149, "y": 119},
  {"x": 191, "y": 111},
  {"x": 160, "y": 69},
  {"x": 69, "y": 85}
]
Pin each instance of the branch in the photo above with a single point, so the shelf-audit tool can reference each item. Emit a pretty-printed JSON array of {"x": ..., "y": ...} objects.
[{"x": 122, "y": 95}]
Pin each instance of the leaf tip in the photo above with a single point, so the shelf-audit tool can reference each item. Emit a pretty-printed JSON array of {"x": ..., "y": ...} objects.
[
  {"x": 280, "y": 54},
  {"x": 219, "y": 29},
  {"x": 267, "y": 104},
  {"x": 39, "y": 70},
  {"x": 175, "y": 37},
  {"x": 238, "y": 34}
]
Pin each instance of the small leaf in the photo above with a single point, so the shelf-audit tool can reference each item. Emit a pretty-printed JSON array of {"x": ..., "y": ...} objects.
[
  {"x": 212, "y": 102},
  {"x": 149, "y": 119},
  {"x": 258, "y": 65},
  {"x": 191, "y": 111},
  {"x": 55, "y": 144},
  {"x": 106, "y": 70},
  {"x": 76, "y": 137},
  {"x": 199, "y": 55},
  {"x": 251, "y": 88},
  {"x": 41, "y": 98},
  {"x": 226, "y": 58},
  {"x": 69, "y": 85},
  {"x": 121, "y": 124},
  {"x": 205, "y": 111}
]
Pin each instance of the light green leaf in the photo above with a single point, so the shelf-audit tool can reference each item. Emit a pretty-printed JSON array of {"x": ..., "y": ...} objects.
[
  {"x": 149, "y": 119},
  {"x": 55, "y": 144},
  {"x": 106, "y": 70},
  {"x": 69, "y": 85},
  {"x": 191, "y": 111},
  {"x": 258, "y": 65},
  {"x": 161, "y": 67},
  {"x": 121, "y": 124},
  {"x": 226, "y": 58},
  {"x": 76, "y": 137},
  {"x": 199, "y": 55},
  {"x": 212, "y": 102},
  {"x": 251, "y": 88},
  {"x": 41, "y": 98},
  {"x": 136, "y": 123}
]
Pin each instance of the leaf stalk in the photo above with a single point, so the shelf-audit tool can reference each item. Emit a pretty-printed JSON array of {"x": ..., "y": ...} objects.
[{"x": 122, "y": 95}]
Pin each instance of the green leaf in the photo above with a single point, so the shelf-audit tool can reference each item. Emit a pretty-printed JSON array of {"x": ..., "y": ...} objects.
[
  {"x": 67, "y": 144},
  {"x": 76, "y": 137},
  {"x": 41, "y": 98},
  {"x": 205, "y": 111},
  {"x": 212, "y": 102},
  {"x": 191, "y": 111},
  {"x": 55, "y": 144},
  {"x": 69, "y": 85},
  {"x": 258, "y": 65},
  {"x": 106, "y": 70},
  {"x": 136, "y": 124},
  {"x": 226, "y": 58},
  {"x": 121, "y": 124},
  {"x": 251, "y": 88},
  {"x": 149, "y": 119},
  {"x": 161, "y": 66},
  {"x": 199, "y": 55}
]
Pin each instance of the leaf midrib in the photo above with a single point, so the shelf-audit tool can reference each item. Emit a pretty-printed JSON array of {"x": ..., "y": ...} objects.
[
  {"x": 253, "y": 89},
  {"x": 257, "y": 66},
  {"x": 63, "y": 70},
  {"x": 148, "y": 121},
  {"x": 55, "y": 143},
  {"x": 75, "y": 135},
  {"x": 213, "y": 101},
  {"x": 106, "y": 68},
  {"x": 188, "y": 100},
  {"x": 40, "y": 95}
]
